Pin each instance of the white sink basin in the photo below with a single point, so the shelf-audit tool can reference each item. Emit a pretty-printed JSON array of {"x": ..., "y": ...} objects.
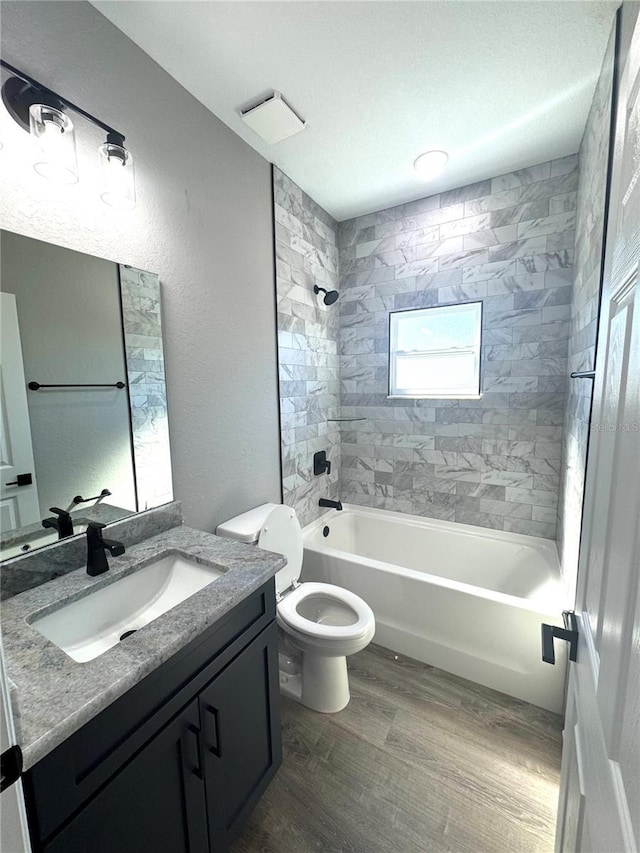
[{"x": 86, "y": 628}]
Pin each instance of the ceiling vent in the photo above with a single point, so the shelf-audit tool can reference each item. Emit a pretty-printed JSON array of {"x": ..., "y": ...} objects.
[{"x": 273, "y": 119}]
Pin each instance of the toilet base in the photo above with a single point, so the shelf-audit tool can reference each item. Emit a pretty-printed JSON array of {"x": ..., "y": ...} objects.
[
  {"x": 323, "y": 684},
  {"x": 291, "y": 686}
]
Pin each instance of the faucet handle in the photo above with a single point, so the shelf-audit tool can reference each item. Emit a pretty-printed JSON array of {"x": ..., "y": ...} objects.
[
  {"x": 321, "y": 464},
  {"x": 58, "y": 511},
  {"x": 64, "y": 524},
  {"x": 94, "y": 534},
  {"x": 96, "y": 546}
]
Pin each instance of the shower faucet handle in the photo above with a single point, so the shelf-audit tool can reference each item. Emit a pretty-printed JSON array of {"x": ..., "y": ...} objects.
[{"x": 321, "y": 464}]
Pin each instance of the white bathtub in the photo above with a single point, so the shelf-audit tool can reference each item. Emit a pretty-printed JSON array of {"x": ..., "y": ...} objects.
[{"x": 465, "y": 599}]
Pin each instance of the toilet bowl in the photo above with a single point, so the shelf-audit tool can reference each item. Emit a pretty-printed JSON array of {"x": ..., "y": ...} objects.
[{"x": 320, "y": 624}]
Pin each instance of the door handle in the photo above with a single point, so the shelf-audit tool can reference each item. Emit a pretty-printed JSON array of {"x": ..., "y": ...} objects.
[
  {"x": 212, "y": 730},
  {"x": 21, "y": 480},
  {"x": 191, "y": 750},
  {"x": 569, "y": 633}
]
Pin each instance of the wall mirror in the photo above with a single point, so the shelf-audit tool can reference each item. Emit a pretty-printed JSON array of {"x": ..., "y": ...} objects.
[{"x": 83, "y": 427}]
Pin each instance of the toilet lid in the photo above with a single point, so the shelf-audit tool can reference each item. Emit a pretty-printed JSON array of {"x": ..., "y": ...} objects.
[
  {"x": 363, "y": 621},
  {"x": 281, "y": 533}
]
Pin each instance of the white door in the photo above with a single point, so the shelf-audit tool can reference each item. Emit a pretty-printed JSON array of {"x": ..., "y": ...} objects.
[
  {"x": 18, "y": 504},
  {"x": 599, "y": 808},
  {"x": 14, "y": 835}
]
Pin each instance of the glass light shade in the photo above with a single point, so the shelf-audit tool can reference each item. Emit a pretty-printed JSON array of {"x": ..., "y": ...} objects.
[
  {"x": 54, "y": 132},
  {"x": 118, "y": 183}
]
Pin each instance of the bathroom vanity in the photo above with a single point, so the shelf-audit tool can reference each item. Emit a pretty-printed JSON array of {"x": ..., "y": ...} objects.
[{"x": 165, "y": 741}]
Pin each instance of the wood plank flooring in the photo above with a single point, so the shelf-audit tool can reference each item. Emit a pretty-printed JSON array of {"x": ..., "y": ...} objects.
[{"x": 420, "y": 761}]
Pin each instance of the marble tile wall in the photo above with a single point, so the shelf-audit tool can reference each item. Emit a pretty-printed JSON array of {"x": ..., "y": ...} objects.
[
  {"x": 594, "y": 152},
  {"x": 493, "y": 462},
  {"x": 142, "y": 322},
  {"x": 306, "y": 254}
]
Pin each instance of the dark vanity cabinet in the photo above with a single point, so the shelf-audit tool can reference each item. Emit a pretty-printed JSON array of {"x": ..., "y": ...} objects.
[
  {"x": 178, "y": 762},
  {"x": 236, "y": 719},
  {"x": 156, "y": 802}
]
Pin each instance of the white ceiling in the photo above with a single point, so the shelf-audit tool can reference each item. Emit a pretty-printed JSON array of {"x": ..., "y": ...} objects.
[{"x": 499, "y": 85}]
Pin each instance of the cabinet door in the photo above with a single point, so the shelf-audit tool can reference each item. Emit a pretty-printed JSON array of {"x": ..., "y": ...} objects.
[
  {"x": 240, "y": 717},
  {"x": 155, "y": 803}
]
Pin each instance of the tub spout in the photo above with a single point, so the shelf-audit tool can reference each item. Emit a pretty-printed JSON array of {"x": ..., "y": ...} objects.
[{"x": 332, "y": 504}]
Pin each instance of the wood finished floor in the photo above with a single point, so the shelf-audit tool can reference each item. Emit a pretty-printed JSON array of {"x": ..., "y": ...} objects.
[{"x": 420, "y": 761}]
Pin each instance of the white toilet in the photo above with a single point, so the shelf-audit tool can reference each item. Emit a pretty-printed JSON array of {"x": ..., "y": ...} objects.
[{"x": 320, "y": 623}]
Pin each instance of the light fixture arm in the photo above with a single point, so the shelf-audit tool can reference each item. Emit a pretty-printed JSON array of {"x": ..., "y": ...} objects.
[{"x": 114, "y": 136}]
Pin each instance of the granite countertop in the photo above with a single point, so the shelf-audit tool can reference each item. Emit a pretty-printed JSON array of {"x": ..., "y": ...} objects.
[{"x": 53, "y": 695}]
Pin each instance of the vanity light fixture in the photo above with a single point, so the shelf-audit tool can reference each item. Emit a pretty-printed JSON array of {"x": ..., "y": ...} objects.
[
  {"x": 54, "y": 132},
  {"x": 116, "y": 165},
  {"x": 44, "y": 114},
  {"x": 430, "y": 164}
]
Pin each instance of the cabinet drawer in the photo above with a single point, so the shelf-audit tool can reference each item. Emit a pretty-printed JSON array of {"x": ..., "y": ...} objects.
[{"x": 66, "y": 778}]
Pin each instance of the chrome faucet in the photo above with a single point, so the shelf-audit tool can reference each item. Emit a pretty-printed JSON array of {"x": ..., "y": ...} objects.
[{"x": 96, "y": 546}]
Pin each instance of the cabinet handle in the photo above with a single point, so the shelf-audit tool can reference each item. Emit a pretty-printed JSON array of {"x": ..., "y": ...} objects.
[
  {"x": 191, "y": 750},
  {"x": 10, "y": 767},
  {"x": 212, "y": 730}
]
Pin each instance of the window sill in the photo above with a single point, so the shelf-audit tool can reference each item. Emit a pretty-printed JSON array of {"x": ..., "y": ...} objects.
[{"x": 434, "y": 396}]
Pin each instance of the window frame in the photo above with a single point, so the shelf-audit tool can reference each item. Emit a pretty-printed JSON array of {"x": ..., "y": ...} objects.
[{"x": 432, "y": 396}]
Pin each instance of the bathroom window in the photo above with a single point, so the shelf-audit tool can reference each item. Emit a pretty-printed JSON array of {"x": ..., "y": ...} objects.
[{"x": 435, "y": 352}]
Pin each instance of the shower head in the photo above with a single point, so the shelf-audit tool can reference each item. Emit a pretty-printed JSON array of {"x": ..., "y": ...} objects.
[{"x": 330, "y": 296}]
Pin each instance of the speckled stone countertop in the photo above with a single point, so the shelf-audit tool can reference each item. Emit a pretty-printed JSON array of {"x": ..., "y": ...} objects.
[{"x": 53, "y": 695}]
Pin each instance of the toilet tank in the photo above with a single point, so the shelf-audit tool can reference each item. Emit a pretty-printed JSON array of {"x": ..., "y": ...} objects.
[
  {"x": 275, "y": 528},
  {"x": 246, "y": 527}
]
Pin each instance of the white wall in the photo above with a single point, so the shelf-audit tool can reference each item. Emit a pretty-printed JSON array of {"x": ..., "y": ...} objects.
[{"x": 202, "y": 222}]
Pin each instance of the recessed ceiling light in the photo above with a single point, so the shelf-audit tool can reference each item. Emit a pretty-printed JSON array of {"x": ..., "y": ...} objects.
[{"x": 431, "y": 163}]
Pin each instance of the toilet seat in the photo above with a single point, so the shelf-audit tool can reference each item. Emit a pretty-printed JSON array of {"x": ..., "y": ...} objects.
[
  {"x": 288, "y": 612},
  {"x": 280, "y": 533}
]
